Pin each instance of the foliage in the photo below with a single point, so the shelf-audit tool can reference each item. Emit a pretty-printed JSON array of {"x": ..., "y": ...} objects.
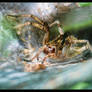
[{"x": 85, "y": 4}]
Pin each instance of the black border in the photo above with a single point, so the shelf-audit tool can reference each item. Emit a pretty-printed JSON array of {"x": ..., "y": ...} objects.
[{"x": 49, "y": 1}]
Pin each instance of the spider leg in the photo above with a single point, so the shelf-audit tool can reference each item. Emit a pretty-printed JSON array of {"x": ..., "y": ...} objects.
[
  {"x": 59, "y": 27},
  {"x": 28, "y": 15},
  {"x": 42, "y": 26},
  {"x": 39, "y": 26},
  {"x": 84, "y": 41}
]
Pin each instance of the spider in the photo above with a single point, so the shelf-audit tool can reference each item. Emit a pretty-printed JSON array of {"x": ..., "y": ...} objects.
[{"x": 63, "y": 44}]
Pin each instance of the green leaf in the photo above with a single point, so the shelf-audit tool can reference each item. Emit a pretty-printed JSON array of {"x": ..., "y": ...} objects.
[
  {"x": 81, "y": 85},
  {"x": 85, "y": 4}
]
